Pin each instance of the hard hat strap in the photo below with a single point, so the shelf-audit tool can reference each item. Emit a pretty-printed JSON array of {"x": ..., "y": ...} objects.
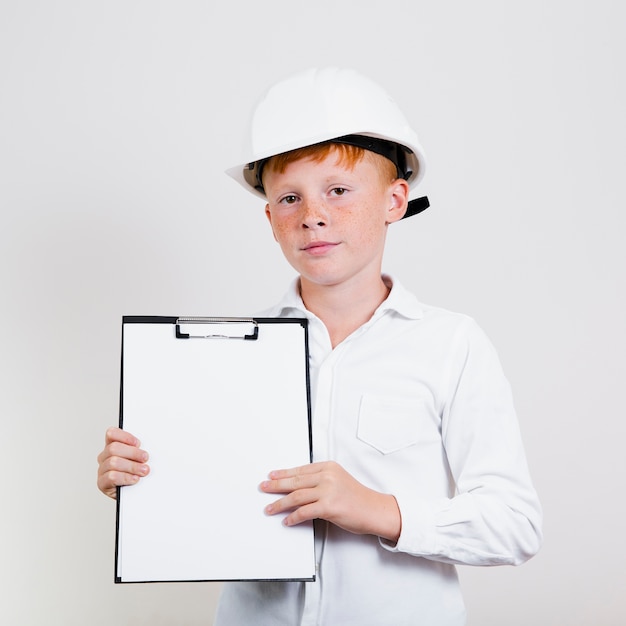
[{"x": 417, "y": 206}]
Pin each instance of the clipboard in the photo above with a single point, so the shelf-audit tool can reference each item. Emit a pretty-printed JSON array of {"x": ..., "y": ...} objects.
[{"x": 217, "y": 403}]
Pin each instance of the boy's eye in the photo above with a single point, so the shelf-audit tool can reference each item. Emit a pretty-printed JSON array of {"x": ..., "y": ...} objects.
[
  {"x": 339, "y": 191},
  {"x": 289, "y": 199}
]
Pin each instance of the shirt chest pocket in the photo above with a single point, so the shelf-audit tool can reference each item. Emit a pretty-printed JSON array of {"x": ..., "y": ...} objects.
[{"x": 390, "y": 423}]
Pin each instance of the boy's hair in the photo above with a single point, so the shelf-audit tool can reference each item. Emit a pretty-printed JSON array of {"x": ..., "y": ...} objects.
[{"x": 347, "y": 156}]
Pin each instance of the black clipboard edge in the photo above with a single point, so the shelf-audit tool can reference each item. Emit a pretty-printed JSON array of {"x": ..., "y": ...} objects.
[
  {"x": 119, "y": 581},
  {"x": 169, "y": 319}
]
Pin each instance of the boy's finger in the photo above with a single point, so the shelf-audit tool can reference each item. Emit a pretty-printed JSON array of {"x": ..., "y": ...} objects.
[
  {"x": 109, "y": 481},
  {"x": 116, "y": 465},
  {"x": 128, "y": 452},
  {"x": 122, "y": 451},
  {"x": 292, "y": 501},
  {"x": 309, "y": 468},
  {"x": 289, "y": 483},
  {"x": 117, "y": 434}
]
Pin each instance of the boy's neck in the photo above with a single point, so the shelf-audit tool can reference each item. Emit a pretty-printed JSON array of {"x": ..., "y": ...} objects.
[{"x": 343, "y": 308}]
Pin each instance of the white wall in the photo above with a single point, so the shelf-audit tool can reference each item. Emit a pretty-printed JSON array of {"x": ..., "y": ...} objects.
[{"x": 117, "y": 120}]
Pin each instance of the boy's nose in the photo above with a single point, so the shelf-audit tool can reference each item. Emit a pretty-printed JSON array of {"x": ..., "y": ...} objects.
[{"x": 314, "y": 215}]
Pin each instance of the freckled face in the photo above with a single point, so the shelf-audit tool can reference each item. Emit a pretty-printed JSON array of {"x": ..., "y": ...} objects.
[{"x": 330, "y": 219}]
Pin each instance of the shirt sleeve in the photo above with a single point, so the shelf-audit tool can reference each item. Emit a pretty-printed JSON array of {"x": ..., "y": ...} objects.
[{"x": 494, "y": 517}]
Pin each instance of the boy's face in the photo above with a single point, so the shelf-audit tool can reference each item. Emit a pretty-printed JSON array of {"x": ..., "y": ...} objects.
[{"x": 331, "y": 219}]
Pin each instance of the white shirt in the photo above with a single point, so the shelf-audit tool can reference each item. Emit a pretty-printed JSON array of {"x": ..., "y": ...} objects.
[{"x": 413, "y": 403}]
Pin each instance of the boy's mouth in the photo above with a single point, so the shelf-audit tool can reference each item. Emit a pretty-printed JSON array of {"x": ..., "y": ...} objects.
[{"x": 319, "y": 247}]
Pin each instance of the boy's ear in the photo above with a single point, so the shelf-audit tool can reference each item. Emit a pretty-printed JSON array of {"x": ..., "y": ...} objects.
[
  {"x": 399, "y": 196},
  {"x": 269, "y": 219}
]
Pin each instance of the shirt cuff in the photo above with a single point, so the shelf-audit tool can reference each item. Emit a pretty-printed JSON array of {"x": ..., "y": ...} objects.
[{"x": 418, "y": 534}]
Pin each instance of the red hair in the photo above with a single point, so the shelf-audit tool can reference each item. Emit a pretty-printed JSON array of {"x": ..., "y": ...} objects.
[{"x": 347, "y": 156}]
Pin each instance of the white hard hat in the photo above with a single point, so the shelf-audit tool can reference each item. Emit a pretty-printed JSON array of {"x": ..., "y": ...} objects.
[{"x": 320, "y": 105}]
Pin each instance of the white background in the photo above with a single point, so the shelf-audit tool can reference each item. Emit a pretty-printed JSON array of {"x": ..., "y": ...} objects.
[{"x": 117, "y": 120}]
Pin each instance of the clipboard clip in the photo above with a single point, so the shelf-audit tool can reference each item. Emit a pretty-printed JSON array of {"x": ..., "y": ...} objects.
[{"x": 217, "y": 328}]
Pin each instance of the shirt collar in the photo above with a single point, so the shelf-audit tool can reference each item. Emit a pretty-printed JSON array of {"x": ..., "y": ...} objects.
[{"x": 399, "y": 301}]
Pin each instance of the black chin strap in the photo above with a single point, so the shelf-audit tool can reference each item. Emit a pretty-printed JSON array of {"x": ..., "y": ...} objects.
[{"x": 417, "y": 206}]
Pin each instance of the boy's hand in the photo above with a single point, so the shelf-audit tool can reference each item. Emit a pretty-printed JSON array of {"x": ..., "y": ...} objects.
[
  {"x": 326, "y": 491},
  {"x": 122, "y": 462}
]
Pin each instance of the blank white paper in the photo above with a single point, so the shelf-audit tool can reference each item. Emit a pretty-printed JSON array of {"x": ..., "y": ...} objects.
[{"x": 215, "y": 415}]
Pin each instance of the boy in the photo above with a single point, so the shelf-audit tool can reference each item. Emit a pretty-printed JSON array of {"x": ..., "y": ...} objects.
[{"x": 418, "y": 459}]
